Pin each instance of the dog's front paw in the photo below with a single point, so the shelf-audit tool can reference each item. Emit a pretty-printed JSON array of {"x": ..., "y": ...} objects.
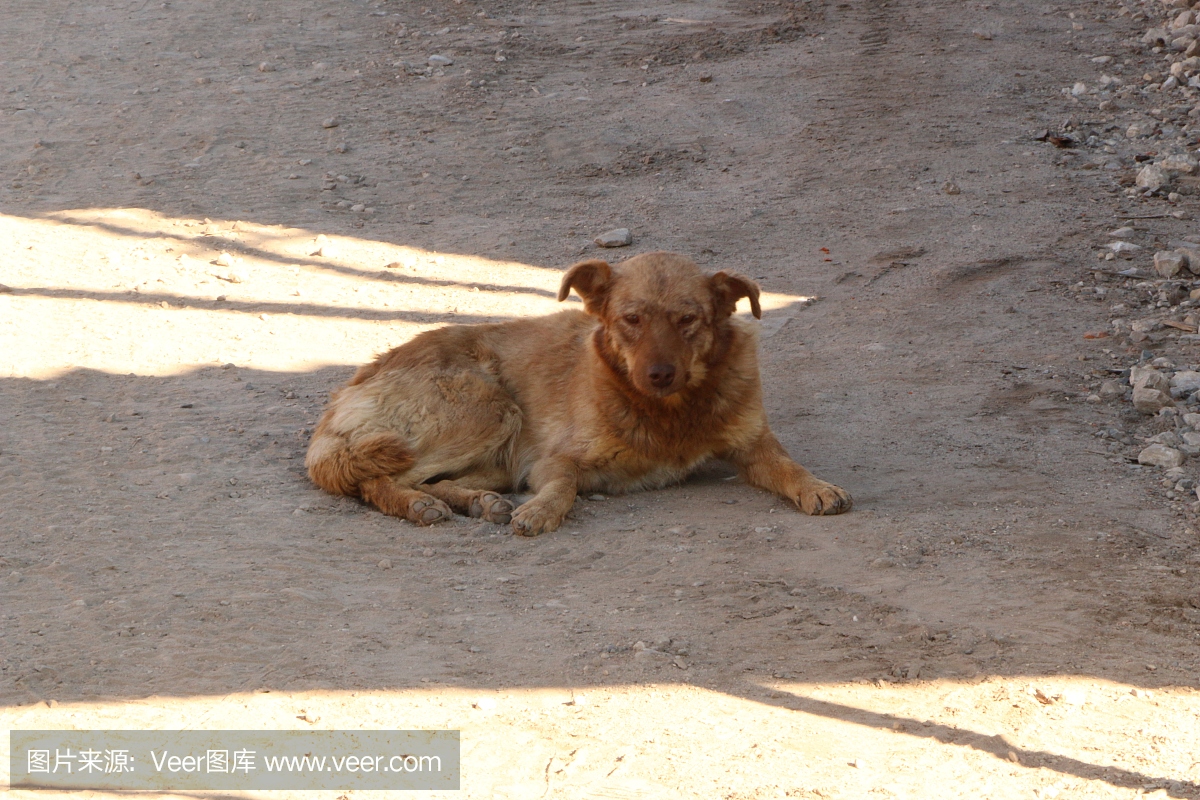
[
  {"x": 533, "y": 518},
  {"x": 428, "y": 510},
  {"x": 820, "y": 497}
]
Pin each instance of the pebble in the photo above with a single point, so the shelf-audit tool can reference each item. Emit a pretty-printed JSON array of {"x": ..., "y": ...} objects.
[
  {"x": 596, "y": 497},
  {"x": 1148, "y": 378},
  {"x": 224, "y": 260},
  {"x": 440, "y": 61},
  {"x": 1150, "y": 401},
  {"x": 1122, "y": 233},
  {"x": 1159, "y": 455},
  {"x": 950, "y": 187},
  {"x": 266, "y": 66},
  {"x": 1179, "y": 162},
  {"x": 325, "y": 248},
  {"x": 1152, "y": 177},
  {"x": 1186, "y": 382},
  {"x": 332, "y": 122},
  {"x": 385, "y": 563},
  {"x": 1110, "y": 390},
  {"x": 1169, "y": 263},
  {"x": 1120, "y": 247},
  {"x": 617, "y": 237},
  {"x": 883, "y": 563},
  {"x": 427, "y": 551}
]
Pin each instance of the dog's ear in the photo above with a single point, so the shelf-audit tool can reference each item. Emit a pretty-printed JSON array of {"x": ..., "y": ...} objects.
[
  {"x": 590, "y": 280},
  {"x": 729, "y": 287}
]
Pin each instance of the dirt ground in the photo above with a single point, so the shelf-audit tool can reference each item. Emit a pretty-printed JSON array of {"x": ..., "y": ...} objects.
[{"x": 211, "y": 213}]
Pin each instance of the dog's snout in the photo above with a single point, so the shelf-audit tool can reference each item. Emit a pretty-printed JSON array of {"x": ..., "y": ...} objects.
[{"x": 662, "y": 375}]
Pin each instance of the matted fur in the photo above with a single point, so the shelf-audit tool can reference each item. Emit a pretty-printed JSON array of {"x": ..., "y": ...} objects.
[{"x": 652, "y": 379}]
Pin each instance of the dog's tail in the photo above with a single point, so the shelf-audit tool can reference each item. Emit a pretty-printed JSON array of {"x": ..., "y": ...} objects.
[{"x": 340, "y": 465}]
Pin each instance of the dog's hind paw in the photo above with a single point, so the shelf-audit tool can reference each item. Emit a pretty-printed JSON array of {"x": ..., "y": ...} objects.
[
  {"x": 427, "y": 512},
  {"x": 492, "y": 507},
  {"x": 824, "y": 498}
]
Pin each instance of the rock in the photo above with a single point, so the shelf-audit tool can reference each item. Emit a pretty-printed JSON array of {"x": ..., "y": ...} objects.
[
  {"x": 1168, "y": 438},
  {"x": 1152, "y": 177},
  {"x": 1191, "y": 438},
  {"x": 1169, "y": 263},
  {"x": 617, "y": 237},
  {"x": 1111, "y": 390},
  {"x": 1159, "y": 455},
  {"x": 597, "y": 497},
  {"x": 1192, "y": 420},
  {"x": 1148, "y": 378},
  {"x": 1150, "y": 401},
  {"x": 1122, "y": 233},
  {"x": 1145, "y": 326},
  {"x": 883, "y": 563},
  {"x": 950, "y": 187},
  {"x": 1185, "y": 381},
  {"x": 224, "y": 260},
  {"x": 266, "y": 66},
  {"x": 358, "y": 207},
  {"x": 1139, "y": 130},
  {"x": 1179, "y": 163},
  {"x": 440, "y": 61},
  {"x": 324, "y": 247},
  {"x": 385, "y": 563},
  {"x": 1122, "y": 248},
  {"x": 332, "y": 122}
]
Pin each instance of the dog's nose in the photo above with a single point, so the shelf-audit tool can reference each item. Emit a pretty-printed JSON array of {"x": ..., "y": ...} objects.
[{"x": 662, "y": 375}]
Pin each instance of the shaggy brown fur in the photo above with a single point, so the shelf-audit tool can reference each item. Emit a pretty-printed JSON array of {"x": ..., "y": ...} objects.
[{"x": 652, "y": 379}]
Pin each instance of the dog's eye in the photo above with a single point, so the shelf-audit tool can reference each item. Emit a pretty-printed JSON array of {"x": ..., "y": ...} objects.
[
  {"x": 687, "y": 319},
  {"x": 632, "y": 319}
]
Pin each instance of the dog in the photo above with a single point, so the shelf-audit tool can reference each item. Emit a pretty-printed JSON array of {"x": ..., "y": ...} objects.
[{"x": 652, "y": 378}]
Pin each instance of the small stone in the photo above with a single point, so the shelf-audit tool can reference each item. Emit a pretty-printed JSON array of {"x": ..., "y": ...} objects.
[
  {"x": 1169, "y": 263},
  {"x": 1159, "y": 455},
  {"x": 332, "y": 122},
  {"x": 1122, "y": 233},
  {"x": 1152, "y": 178},
  {"x": 1110, "y": 390},
  {"x": 224, "y": 260},
  {"x": 1150, "y": 401},
  {"x": 617, "y": 237},
  {"x": 440, "y": 61},
  {"x": 597, "y": 497},
  {"x": 1192, "y": 420},
  {"x": 1148, "y": 378},
  {"x": 385, "y": 563},
  {"x": 358, "y": 207},
  {"x": 1140, "y": 130},
  {"x": 950, "y": 187},
  {"x": 883, "y": 563},
  {"x": 1185, "y": 381},
  {"x": 428, "y": 551},
  {"x": 1179, "y": 163},
  {"x": 266, "y": 66},
  {"x": 1121, "y": 248}
]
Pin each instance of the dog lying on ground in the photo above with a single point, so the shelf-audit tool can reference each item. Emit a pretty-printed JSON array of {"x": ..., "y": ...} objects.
[{"x": 653, "y": 378}]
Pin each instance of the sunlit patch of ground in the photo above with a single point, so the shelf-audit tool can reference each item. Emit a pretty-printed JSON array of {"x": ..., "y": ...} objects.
[
  {"x": 128, "y": 290},
  {"x": 858, "y": 740}
]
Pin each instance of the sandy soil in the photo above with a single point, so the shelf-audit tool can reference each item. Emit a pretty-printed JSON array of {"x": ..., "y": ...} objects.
[{"x": 1010, "y": 610}]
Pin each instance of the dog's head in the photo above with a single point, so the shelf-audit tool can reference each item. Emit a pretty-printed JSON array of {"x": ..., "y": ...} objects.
[{"x": 662, "y": 316}]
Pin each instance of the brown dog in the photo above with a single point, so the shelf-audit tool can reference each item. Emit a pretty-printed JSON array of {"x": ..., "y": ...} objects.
[{"x": 654, "y": 379}]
